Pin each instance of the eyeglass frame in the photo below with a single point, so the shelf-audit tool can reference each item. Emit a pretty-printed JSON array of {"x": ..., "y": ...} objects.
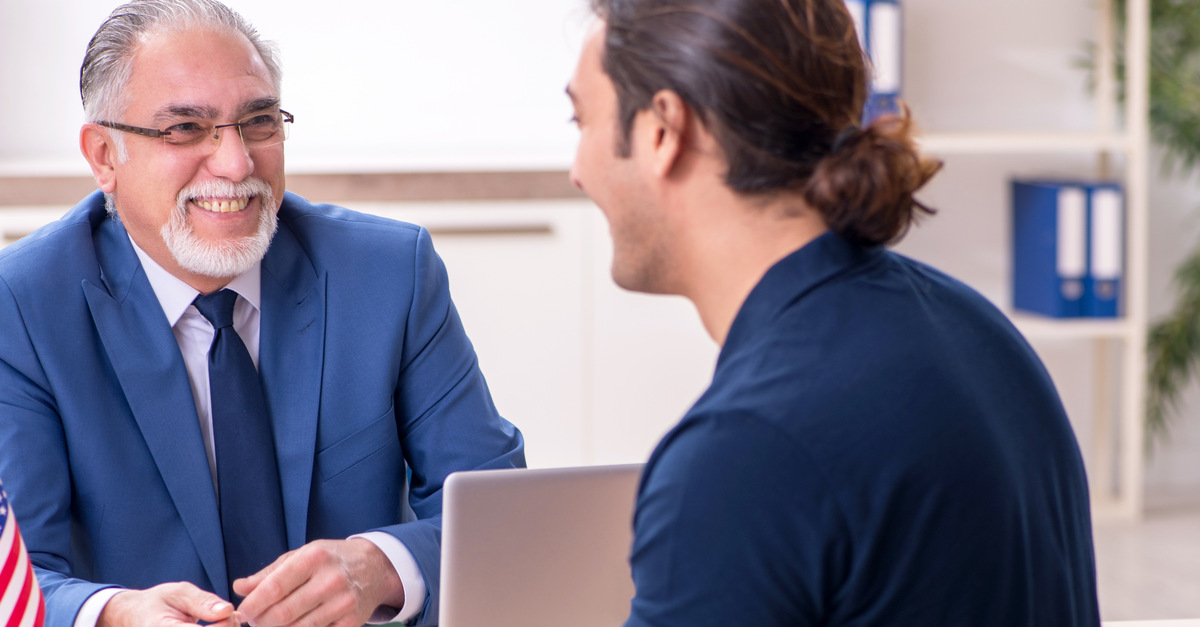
[{"x": 154, "y": 133}]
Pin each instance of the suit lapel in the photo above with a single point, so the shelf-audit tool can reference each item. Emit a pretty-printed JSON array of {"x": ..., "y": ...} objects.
[
  {"x": 146, "y": 358},
  {"x": 291, "y": 354}
]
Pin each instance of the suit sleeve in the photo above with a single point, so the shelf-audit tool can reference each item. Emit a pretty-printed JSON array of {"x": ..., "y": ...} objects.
[
  {"x": 445, "y": 411},
  {"x": 34, "y": 465}
]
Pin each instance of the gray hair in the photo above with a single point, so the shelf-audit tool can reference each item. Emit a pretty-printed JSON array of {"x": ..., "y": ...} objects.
[{"x": 107, "y": 64}]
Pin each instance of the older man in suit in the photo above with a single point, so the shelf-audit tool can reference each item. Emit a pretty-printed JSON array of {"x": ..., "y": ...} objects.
[{"x": 213, "y": 389}]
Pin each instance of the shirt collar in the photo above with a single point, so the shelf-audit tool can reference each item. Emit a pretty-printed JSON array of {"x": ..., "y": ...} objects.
[
  {"x": 175, "y": 296},
  {"x": 790, "y": 280}
]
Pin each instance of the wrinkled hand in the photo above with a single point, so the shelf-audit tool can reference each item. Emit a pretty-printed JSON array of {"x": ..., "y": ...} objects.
[
  {"x": 326, "y": 582},
  {"x": 168, "y": 604}
]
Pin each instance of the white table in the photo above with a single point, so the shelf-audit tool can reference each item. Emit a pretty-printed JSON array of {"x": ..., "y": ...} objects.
[{"x": 1182, "y": 622}]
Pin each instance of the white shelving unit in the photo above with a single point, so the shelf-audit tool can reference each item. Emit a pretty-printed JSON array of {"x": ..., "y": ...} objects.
[
  {"x": 1024, "y": 143},
  {"x": 1116, "y": 469}
]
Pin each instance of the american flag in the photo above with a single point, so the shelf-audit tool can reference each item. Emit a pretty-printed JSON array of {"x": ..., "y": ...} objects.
[{"x": 21, "y": 603}]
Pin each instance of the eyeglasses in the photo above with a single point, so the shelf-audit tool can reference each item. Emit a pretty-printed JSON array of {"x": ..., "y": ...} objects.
[{"x": 260, "y": 130}]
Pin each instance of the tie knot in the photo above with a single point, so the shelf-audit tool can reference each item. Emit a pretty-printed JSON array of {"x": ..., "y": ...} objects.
[{"x": 217, "y": 307}]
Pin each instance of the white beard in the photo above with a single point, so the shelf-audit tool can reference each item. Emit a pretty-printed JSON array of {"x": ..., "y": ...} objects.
[{"x": 224, "y": 259}]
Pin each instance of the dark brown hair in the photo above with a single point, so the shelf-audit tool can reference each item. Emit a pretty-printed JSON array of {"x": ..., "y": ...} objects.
[{"x": 781, "y": 85}]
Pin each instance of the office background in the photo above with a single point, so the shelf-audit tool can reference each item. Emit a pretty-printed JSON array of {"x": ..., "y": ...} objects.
[
  {"x": 452, "y": 114},
  {"x": 468, "y": 86}
]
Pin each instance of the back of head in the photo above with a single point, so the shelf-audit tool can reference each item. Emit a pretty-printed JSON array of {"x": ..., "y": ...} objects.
[
  {"x": 107, "y": 64},
  {"x": 780, "y": 84}
]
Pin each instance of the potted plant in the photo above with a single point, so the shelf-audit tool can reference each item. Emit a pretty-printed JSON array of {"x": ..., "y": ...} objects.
[{"x": 1173, "y": 344}]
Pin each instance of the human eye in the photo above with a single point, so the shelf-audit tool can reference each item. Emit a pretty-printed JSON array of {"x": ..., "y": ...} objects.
[
  {"x": 188, "y": 132},
  {"x": 260, "y": 127},
  {"x": 260, "y": 120}
]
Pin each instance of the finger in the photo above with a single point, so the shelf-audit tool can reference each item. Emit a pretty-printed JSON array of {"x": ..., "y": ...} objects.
[
  {"x": 328, "y": 596},
  {"x": 197, "y": 603},
  {"x": 275, "y": 584},
  {"x": 317, "y": 604},
  {"x": 232, "y": 621},
  {"x": 235, "y": 620},
  {"x": 244, "y": 586},
  {"x": 327, "y": 611}
]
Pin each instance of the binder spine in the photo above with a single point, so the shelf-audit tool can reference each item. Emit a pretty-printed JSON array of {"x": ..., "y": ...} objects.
[
  {"x": 1068, "y": 248},
  {"x": 1071, "y": 262},
  {"x": 885, "y": 45},
  {"x": 1107, "y": 253},
  {"x": 1049, "y": 257}
]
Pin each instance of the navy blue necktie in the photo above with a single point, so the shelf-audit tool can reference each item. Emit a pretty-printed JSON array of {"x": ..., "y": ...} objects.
[{"x": 247, "y": 477}]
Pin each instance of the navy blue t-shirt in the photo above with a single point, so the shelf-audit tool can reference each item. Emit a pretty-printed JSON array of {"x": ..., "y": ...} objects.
[{"x": 879, "y": 446}]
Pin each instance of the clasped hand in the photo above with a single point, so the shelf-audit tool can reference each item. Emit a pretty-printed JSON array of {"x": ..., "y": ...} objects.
[{"x": 324, "y": 583}]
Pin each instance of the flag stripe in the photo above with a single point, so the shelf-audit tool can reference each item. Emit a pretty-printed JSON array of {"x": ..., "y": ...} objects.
[
  {"x": 18, "y": 616},
  {"x": 7, "y": 592},
  {"x": 38, "y": 618},
  {"x": 7, "y": 535},
  {"x": 21, "y": 602}
]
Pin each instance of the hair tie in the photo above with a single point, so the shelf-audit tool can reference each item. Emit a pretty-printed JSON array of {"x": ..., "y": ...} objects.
[{"x": 843, "y": 137}]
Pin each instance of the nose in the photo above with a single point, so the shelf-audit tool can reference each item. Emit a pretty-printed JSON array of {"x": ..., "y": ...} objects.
[
  {"x": 231, "y": 159},
  {"x": 574, "y": 176}
]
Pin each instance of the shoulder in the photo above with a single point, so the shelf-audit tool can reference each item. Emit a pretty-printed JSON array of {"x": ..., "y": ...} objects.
[
  {"x": 63, "y": 249},
  {"x": 366, "y": 258},
  {"x": 896, "y": 286},
  {"x": 336, "y": 237},
  {"x": 77, "y": 223},
  {"x": 332, "y": 224},
  {"x": 886, "y": 310}
]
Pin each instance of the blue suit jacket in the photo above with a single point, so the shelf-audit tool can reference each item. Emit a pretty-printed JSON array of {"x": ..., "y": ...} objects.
[{"x": 367, "y": 371}]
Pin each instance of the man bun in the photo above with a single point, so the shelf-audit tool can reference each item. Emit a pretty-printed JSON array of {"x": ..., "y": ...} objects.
[{"x": 864, "y": 188}]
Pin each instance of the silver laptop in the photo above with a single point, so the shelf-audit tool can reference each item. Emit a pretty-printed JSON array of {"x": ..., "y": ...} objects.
[{"x": 538, "y": 547}]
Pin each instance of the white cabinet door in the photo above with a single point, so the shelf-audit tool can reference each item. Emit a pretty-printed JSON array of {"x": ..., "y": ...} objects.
[
  {"x": 17, "y": 222},
  {"x": 591, "y": 374},
  {"x": 516, "y": 276},
  {"x": 652, "y": 359}
]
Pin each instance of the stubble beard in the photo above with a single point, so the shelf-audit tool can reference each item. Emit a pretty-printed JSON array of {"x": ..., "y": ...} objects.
[{"x": 641, "y": 261}]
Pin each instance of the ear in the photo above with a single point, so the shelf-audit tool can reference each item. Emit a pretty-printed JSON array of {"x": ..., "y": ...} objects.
[
  {"x": 97, "y": 147},
  {"x": 670, "y": 123}
]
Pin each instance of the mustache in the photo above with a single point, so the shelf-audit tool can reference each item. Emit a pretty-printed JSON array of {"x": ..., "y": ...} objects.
[{"x": 217, "y": 188}]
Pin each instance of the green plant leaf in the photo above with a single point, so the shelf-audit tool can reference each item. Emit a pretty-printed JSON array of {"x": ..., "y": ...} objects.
[{"x": 1173, "y": 343}]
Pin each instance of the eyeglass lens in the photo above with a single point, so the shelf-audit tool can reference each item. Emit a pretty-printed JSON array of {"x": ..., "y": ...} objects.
[{"x": 257, "y": 131}]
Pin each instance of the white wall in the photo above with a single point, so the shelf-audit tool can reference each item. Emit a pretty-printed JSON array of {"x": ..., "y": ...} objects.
[{"x": 375, "y": 85}]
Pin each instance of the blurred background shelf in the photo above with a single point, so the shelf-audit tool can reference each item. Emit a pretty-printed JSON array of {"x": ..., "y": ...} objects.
[
  {"x": 1022, "y": 142},
  {"x": 999, "y": 96},
  {"x": 1041, "y": 328}
]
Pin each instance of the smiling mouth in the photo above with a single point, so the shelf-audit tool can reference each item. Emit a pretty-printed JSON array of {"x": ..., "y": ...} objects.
[{"x": 223, "y": 205}]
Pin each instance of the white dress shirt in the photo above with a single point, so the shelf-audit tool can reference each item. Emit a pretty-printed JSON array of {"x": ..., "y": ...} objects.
[{"x": 195, "y": 334}]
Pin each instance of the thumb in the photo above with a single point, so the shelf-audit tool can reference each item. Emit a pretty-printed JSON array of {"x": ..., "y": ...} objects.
[
  {"x": 200, "y": 604},
  {"x": 244, "y": 586}
]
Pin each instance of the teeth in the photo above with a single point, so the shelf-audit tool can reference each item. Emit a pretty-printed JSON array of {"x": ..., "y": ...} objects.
[{"x": 223, "y": 206}]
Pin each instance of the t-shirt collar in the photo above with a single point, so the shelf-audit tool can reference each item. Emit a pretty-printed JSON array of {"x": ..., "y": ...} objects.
[{"x": 789, "y": 280}]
